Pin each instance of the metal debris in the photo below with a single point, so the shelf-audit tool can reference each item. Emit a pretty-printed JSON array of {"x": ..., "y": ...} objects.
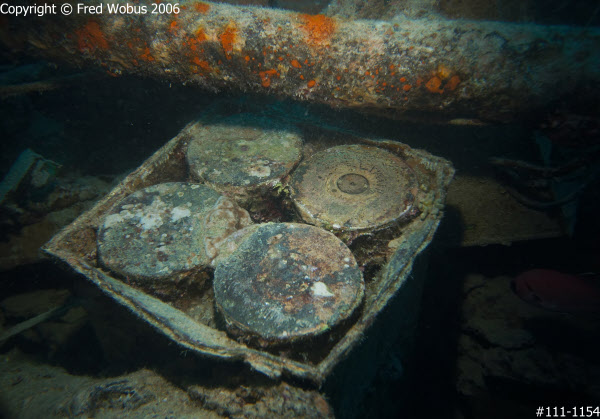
[{"x": 403, "y": 68}]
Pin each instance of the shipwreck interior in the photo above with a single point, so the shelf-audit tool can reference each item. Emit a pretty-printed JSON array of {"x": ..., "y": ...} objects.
[{"x": 524, "y": 195}]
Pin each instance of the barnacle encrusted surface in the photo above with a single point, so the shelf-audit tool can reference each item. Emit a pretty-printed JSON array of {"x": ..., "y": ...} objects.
[
  {"x": 353, "y": 187},
  {"x": 167, "y": 229},
  {"x": 243, "y": 153},
  {"x": 286, "y": 281}
]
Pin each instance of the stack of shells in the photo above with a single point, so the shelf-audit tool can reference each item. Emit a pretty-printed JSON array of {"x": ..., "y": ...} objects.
[{"x": 274, "y": 283}]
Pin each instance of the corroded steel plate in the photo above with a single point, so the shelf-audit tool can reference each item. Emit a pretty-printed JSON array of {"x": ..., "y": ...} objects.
[
  {"x": 243, "y": 153},
  {"x": 287, "y": 281},
  {"x": 166, "y": 229},
  {"x": 353, "y": 187}
]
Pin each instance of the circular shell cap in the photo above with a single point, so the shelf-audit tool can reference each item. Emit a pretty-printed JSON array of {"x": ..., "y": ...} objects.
[
  {"x": 243, "y": 153},
  {"x": 166, "y": 229},
  {"x": 353, "y": 187},
  {"x": 287, "y": 281}
]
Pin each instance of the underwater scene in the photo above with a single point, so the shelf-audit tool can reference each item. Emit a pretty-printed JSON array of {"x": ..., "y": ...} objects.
[{"x": 299, "y": 209}]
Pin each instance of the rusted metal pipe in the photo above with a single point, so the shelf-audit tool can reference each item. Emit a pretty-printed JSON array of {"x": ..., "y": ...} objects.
[{"x": 454, "y": 69}]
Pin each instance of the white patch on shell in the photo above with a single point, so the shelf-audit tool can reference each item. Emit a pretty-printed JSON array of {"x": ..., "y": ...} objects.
[
  {"x": 150, "y": 221},
  {"x": 319, "y": 289},
  {"x": 179, "y": 212},
  {"x": 113, "y": 219},
  {"x": 151, "y": 215},
  {"x": 259, "y": 171},
  {"x": 221, "y": 221}
]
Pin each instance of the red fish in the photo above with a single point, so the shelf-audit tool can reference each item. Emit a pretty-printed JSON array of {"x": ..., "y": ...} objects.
[{"x": 556, "y": 291}]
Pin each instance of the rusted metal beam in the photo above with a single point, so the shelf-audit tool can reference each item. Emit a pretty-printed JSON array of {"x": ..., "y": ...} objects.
[{"x": 454, "y": 69}]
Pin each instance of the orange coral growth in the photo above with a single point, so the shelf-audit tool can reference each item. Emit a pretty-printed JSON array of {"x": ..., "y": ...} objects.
[
  {"x": 265, "y": 77},
  {"x": 201, "y": 63},
  {"x": 227, "y": 39},
  {"x": 296, "y": 64},
  {"x": 91, "y": 37},
  {"x": 201, "y": 7},
  {"x": 311, "y": 83},
  {"x": 433, "y": 85},
  {"x": 402, "y": 79},
  {"x": 146, "y": 55},
  {"x": 452, "y": 83},
  {"x": 200, "y": 35},
  {"x": 195, "y": 42},
  {"x": 247, "y": 58},
  {"x": 406, "y": 87},
  {"x": 443, "y": 72},
  {"x": 319, "y": 28}
]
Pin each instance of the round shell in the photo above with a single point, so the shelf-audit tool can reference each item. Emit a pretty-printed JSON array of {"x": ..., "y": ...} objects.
[
  {"x": 286, "y": 281},
  {"x": 353, "y": 187},
  {"x": 167, "y": 229},
  {"x": 243, "y": 154}
]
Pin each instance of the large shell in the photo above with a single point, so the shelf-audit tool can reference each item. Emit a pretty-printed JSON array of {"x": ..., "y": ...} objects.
[
  {"x": 166, "y": 229},
  {"x": 287, "y": 281},
  {"x": 242, "y": 154},
  {"x": 353, "y": 187}
]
